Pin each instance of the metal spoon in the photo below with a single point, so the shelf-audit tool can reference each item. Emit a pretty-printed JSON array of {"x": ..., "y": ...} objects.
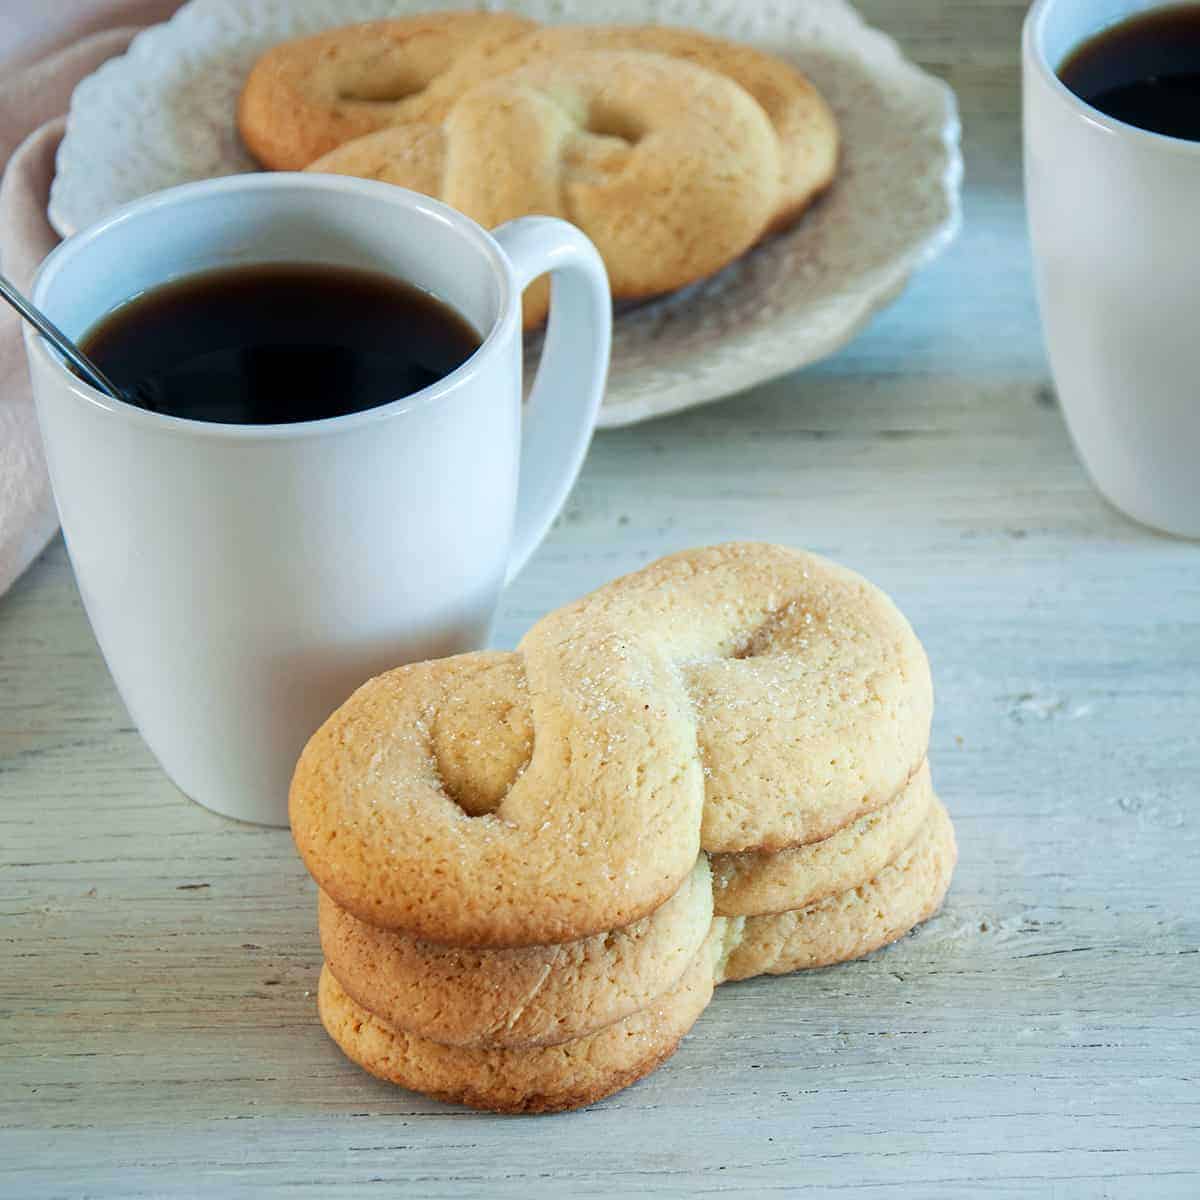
[{"x": 87, "y": 369}]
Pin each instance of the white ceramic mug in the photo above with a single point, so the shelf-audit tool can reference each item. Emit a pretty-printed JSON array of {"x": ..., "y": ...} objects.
[
  {"x": 242, "y": 580},
  {"x": 1114, "y": 212}
]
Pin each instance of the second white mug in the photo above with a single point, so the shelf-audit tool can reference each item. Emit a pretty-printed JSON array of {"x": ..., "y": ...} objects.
[
  {"x": 242, "y": 580},
  {"x": 1113, "y": 211}
]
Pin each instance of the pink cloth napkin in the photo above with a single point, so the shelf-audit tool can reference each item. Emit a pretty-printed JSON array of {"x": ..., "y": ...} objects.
[{"x": 45, "y": 50}]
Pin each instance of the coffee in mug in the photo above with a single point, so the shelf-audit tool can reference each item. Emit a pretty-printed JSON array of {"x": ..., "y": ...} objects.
[
  {"x": 275, "y": 343},
  {"x": 1145, "y": 71}
]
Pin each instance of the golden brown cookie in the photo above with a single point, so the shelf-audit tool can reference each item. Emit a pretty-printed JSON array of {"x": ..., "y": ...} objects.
[
  {"x": 748, "y": 695},
  {"x": 756, "y": 883},
  {"x": 803, "y": 122},
  {"x": 306, "y": 96},
  {"x": 542, "y": 1079},
  {"x": 839, "y": 928},
  {"x": 534, "y": 996},
  {"x": 671, "y": 170}
]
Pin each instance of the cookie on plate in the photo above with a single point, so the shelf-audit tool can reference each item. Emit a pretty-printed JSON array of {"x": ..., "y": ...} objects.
[{"x": 672, "y": 170}]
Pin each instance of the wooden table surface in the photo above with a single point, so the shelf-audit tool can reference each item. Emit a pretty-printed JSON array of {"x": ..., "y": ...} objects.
[{"x": 158, "y": 1033}]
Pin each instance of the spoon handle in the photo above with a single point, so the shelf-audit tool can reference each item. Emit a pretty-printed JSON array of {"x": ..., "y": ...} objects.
[{"x": 88, "y": 370}]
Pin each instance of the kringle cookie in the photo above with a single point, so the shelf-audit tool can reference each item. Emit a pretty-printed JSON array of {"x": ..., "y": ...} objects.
[
  {"x": 847, "y": 926},
  {"x": 542, "y": 1079},
  {"x": 306, "y": 96},
  {"x": 534, "y": 996},
  {"x": 748, "y": 696},
  {"x": 671, "y": 170}
]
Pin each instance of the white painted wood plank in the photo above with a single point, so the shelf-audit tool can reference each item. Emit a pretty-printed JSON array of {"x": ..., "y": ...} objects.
[{"x": 1040, "y": 1037}]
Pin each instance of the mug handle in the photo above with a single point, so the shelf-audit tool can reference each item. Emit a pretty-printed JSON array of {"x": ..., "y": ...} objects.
[{"x": 557, "y": 423}]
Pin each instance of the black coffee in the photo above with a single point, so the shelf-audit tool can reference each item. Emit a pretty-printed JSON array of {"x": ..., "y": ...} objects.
[
  {"x": 1144, "y": 71},
  {"x": 272, "y": 344}
]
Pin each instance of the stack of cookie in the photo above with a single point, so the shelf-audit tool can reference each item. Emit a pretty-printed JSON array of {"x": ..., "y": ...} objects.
[
  {"x": 674, "y": 151},
  {"x": 514, "y": 850}
]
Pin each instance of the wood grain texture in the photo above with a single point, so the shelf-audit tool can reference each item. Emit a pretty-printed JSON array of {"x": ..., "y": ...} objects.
[{"x": 1040, "y": 1038}]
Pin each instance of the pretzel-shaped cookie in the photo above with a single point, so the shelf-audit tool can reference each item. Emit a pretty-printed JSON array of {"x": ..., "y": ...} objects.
[
  {"x": 741, "y": 697},
  {"x": 670, "y": 169},
  {"x": 308, "y": 95}
]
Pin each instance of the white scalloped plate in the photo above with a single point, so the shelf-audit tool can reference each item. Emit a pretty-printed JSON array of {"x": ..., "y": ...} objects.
[{"x": 163, "y": 114}]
